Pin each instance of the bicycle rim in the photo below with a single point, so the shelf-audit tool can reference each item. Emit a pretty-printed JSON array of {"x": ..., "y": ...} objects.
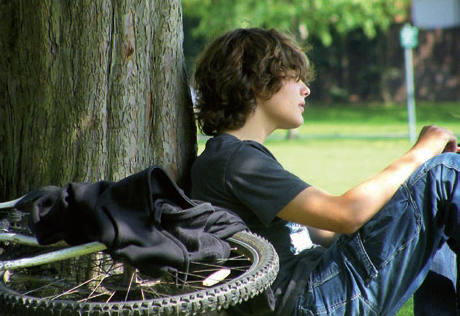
[{"x": 104, "y": 288}]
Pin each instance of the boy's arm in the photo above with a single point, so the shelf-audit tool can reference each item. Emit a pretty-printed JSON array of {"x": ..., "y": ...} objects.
[{"x": 348, "y": 212}]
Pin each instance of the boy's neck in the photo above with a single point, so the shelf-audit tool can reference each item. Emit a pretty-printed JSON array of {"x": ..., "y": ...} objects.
[
  {"x": 251, "y": 131},
  {"x": 256, "y": 128},
  {"x": 242, "y": 135}
]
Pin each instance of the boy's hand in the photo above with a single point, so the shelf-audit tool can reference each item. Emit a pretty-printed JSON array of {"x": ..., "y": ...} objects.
[{"x": 434, "y": 140}]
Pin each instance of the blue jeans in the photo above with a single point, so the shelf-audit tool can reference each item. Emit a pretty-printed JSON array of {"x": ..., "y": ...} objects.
[
  {"x": 378, "y": 268},
  {"x": 437, "y": 295}
]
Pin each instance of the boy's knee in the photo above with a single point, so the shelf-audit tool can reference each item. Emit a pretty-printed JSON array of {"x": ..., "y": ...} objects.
[{"x": 446, "y": 159}]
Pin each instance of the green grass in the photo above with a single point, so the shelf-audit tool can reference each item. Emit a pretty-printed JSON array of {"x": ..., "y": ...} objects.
[
  {"x": 373, "y": 121},
  {"x": 383, "y": 114},
  {"x": 336, "y": 165},
  {"x": 339, "y": 146}
]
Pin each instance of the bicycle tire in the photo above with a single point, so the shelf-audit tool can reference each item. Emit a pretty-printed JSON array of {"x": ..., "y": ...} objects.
[{"x": 262, "y": 272}]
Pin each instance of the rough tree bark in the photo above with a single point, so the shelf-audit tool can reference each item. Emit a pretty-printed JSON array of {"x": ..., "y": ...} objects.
[{"x": 91, "y": 90}]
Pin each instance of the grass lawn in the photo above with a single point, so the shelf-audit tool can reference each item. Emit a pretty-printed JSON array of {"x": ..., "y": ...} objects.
[
  {"x": 336, "y": 165},
  {"x": 373, "y": 121},
  {"x": 339, "y": 146}
]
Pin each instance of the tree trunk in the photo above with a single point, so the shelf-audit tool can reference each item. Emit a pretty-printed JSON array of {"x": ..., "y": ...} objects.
[{"x": 91, "y": 90}]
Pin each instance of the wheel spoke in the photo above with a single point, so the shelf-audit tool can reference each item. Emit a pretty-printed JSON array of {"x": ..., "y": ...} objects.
[{"x": 94, "y": 280}]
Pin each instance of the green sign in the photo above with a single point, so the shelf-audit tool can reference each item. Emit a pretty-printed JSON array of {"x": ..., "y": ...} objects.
[{"x": 409, "y": 36}]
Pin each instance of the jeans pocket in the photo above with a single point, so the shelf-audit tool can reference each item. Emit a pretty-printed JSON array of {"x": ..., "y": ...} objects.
[{"x": 338, "y": 295}]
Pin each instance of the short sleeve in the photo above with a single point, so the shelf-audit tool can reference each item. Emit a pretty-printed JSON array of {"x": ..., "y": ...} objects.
[{"x": 259, "y": 181}]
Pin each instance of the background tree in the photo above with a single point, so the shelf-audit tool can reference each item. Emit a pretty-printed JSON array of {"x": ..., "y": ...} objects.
[
  {"x": 304, "y": 18},
  {"x": 354, "y": 50},
  {"x": 91, "y": 90}
]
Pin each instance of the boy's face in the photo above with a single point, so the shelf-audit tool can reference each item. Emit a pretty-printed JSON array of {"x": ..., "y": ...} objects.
[{"x": 284, "y": 110}]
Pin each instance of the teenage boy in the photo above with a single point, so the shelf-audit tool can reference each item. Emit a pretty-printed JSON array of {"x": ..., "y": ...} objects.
[{"x": 379, "y": 237}]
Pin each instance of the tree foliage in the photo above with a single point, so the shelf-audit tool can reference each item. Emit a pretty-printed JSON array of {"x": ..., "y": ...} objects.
[{"x": 303, "y": 18}]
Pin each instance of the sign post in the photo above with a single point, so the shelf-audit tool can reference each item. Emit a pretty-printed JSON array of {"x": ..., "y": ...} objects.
[{"x": 409, "y": 41}]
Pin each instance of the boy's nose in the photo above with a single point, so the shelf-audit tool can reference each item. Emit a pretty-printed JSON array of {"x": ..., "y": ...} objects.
[{"x": 305, "y": 90}]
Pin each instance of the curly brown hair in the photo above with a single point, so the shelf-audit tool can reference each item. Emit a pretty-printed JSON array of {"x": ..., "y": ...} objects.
[{"x": 239, "y": 65}]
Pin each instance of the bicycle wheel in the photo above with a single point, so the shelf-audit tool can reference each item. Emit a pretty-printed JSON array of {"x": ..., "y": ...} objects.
[{"x": 95, "y": 285}]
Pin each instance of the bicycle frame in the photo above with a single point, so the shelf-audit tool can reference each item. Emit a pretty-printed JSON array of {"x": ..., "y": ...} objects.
[
  {"x": 9, "y": 204},
  {"x": 54, "y": 256},
  {"x": 58, "y": 255}
]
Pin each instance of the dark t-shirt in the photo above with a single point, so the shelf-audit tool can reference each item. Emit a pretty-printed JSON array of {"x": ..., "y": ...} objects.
[{"x": 245, "y": 177}]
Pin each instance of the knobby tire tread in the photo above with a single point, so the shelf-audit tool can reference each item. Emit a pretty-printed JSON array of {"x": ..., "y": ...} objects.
[{"x": 244, "y": 287}]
